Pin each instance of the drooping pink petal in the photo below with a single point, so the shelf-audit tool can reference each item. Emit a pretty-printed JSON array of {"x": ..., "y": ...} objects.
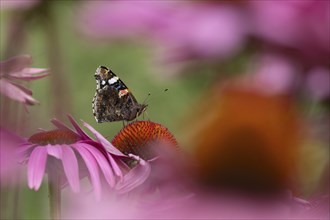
[
  {"x": 14, "y": 64},
  {"x": 70, "y": 165},
  {"x": 134, "y": 177},
  {"x": 36, "y": 167},
  {"x": 23, "y": 151},
  {"x": 78, "y": 129},
  {"x": 102, "y": 162},
  {"x": 29, "y": 74},
  {"x": 54, "y": 150},
  {"x": 92, "y": 168},
  {"x": 24, "y": 89},
  {"x": 108, "y": 146},
  {"x": 16, "y": 93},
  {"x": 113, "y": 162}
]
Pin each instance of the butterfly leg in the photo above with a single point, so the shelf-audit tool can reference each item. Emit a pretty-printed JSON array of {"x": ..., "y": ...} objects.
[
  {"x": 136, "y": 117},
  {"x": 147, "y": 116}
]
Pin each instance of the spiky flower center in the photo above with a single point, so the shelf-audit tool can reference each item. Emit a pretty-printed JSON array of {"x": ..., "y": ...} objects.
[
  {"x": 140, "y": 138},
  {"x": 54, "y": 137}
]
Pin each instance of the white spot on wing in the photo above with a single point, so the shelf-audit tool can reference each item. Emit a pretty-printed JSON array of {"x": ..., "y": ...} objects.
[
  {"x": 103, "y": 82},
  {"x": 97, "y": 84},
  {"x": 113, "y": 80}
]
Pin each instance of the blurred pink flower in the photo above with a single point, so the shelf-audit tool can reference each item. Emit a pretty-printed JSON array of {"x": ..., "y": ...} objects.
[
  {"x": 16, "y": 68},
  {"x": 318, "y": 83},
  {"x": 184, "y": 30},
  {"x": 201, "y": 205},
  {"x": 304, "y": 25},
  {"x": 80, "y": 156},
  {"x": 114, "y": 19},
  {"x": 201, "y": 31},
  {"x": 8, "y": 159},
  {"x": 274, "y": 74},
  {"x": 18, "y": 4}
]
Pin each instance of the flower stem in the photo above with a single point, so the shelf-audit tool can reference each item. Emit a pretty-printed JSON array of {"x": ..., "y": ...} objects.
[
  {"x": 54, "y": 189},
  {"x": 59, "y": 78}
]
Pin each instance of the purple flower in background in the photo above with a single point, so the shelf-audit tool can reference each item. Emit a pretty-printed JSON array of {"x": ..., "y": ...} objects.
[
  {"x": 201, "y": 31},
  {"x": 318, "y": 83},
  {"x": 274, "y": 74},
  {"x": 303, "y": 25},
  {"x": 74, "y": 155},
  {"x": 16, "y": 68},
  {"x": 18, "y": 4},
  {"x": 183, "y": 30},
  {"x": 115, "y": 19}
]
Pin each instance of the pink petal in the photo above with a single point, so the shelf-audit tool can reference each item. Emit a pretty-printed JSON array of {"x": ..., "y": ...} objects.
[
  {"x": 108, "y": 146},
  {"x": 103, "y": 163},
  {"x": 23, "y": 151},
  {"x": 16, "y": 93},
  {"x": 36, "y": 167},
  {"x": 61, "y": 125},
  {"x": 28, "y": 74},
  {"x": 24, "y": 89},
  {"x": 135, "y": 177},
  {"x": 78, "y": 129},
  {"x": 115, "y": 166},
  {"x": 92, "y": 168},
  {"x": 14, "y": 64},
  {"x": 70, "y": 165},
  {"x": 54, "y": 150}
]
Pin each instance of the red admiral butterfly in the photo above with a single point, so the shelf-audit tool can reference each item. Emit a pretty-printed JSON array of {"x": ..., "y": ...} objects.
[{"x": 113, "y": 101}]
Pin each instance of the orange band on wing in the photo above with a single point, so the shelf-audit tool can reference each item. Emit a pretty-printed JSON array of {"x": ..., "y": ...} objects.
[{"x": 123, "y": 92}]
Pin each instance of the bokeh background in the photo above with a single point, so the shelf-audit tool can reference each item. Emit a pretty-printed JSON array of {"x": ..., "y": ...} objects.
[{"x": 192, "y": 48}]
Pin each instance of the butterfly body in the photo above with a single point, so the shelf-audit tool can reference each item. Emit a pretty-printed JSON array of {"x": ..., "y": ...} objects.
[{"x": 113, "y": 101}]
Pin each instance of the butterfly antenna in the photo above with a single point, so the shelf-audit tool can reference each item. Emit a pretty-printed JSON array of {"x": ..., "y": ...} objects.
[
  {"x": 165, "y": 90},
  {"x": 146, "y": 99}
]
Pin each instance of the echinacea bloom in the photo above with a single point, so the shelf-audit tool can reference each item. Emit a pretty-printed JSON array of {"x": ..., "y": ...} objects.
[
  {"x": 149, "y": 140},
  {"x": 248, "y": 140},
  {"x": 140, "y": 138},
  {"x": 68, "y": 146},
  {"x": 169, "y": 172},
  {"x": 17, "y": 69},
  {"x": 164, "y": 189}
]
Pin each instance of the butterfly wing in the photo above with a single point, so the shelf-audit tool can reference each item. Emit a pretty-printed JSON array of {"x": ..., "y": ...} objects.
[
  {"x": 111, "y": 104},
  {"x": 104, "y": 105},
  {"x": 112, "y": 100}
]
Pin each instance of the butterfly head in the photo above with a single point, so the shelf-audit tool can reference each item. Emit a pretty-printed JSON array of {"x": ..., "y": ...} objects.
[
  {"x": 102, "y": 73},
  {"x": 141, "y": 108}
]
